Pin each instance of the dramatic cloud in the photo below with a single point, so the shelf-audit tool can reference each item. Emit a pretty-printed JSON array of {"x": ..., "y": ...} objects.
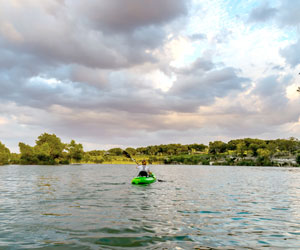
[
  {"x": 199, "y": 36},
  {"x": 206, "y": 87},
  {"x": 291, "y": 52},
  {"x": 66, "y": 35},
  {"x": 262, "y": 13},
  {"x": 289, "y": 12},
  {"x": 286, "y": 13},
  {"x": 138, "y": 72},
  {"x": 117, "y": 16}
]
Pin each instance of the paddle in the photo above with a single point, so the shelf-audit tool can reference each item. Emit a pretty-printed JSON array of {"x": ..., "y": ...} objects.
[{"x": 129, "y": 156}]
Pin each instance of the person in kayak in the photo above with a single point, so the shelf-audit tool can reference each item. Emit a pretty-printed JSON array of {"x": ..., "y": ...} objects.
[{"x": 144, "y": 169}]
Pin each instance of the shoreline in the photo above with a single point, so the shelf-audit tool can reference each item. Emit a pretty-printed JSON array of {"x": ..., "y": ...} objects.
[{"x": 155, "y": 164}]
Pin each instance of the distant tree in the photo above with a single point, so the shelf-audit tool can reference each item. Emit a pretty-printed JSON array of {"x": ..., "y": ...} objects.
[
  {"x": 272, "y": 147},
  {"x": 75, "y": 151},
  {"x": 231, "y": 145},
  {"x": 262, "y": 152},
  {"x": 171, "y": 149},
  {"x": 217, "y": 147},
  {"x": 56, "y": 147},
  {"x": 116, "y": 151},
  {"x": 152, "y": 150},
  {"x": 241, "y": 148},
  {"x": 184, "y": 149},
  {"x": 131, "y": 151},
  {"x": 298, "y": 159},
  {"x": 96, "y": 152},
  {"x": 142, "y": 151},
  {"x": 28, "y": 155},
  {"x": 4, "y": 154},
  {"x": 291, "y": 146},
  {"x": 197, "y": 147},
  {"x": 14, "y": 158},
  {"x": 253, "y": 147},
  {"x": 43, "y": 153},
  {"x": 48, "y": 150}
]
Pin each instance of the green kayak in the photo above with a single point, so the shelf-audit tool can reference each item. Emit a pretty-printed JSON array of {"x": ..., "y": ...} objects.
[{"x": 143, "y": 180}]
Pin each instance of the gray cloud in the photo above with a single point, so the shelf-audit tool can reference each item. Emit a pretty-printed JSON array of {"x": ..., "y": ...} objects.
[
  {"x": 291, "y": 54},
  {"x": 262, "y": 13},
  {"x": 223, "y": 36},
  {"x": 286, "y": 13},
  {"x": 289, "y": 13},
  {"x": 271, "y": 91},
  {"x": 94, "y": 34},
  {"x": 81, "y": 69},
  {"x": 205, "y": 87},
  {"x": 128, "y": 15},
  {"x": 198, "y": 36},
  {"x": 199, "y": 66},
  {"x": 95, "y": 77},
  {"x": 67, "y": 43}
]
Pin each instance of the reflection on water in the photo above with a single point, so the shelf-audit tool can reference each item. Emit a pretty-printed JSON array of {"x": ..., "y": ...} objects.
[{"x": 198, "y": 207}]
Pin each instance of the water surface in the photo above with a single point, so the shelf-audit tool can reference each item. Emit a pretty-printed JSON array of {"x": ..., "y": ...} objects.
[{"x": 198, "y": 207}]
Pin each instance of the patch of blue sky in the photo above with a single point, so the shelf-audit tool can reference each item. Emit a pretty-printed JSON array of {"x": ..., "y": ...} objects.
[
  {"x": 198, "y": 49},
  {"x": 217, "y": 16},
  {"x": 237, "y": 8},
  {"x": 287, "y": 34},
  {"x": 243, "y": 8},
  {"x": 290, "y": 34},
  {"x": 53, "y": 84},
  {"x": 43, "y": 81}
]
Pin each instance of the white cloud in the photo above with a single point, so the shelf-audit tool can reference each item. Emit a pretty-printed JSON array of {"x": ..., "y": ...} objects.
[
  {"x": 3, "y": 121},
  {"x": 184, "y": 72},
  {"x": 8, "y": 31},
  {"x": 160, "y": 80}
]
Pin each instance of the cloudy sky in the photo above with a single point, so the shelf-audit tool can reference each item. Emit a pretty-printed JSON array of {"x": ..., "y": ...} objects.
[{"x": 144, "y": 72}]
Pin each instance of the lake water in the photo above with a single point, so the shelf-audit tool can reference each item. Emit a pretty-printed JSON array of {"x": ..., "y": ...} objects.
[{"x": 198, "y": 207}]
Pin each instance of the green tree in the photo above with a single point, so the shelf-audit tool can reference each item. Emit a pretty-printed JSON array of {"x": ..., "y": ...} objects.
[
  {"x": 75, "y": 151},
  {"x": 56, "y": 147},
  {"x": 116, "y": 151},
  {"x": 217, "y": 147},
  {"x": 15, "y": 158},
  {"x": 152, "y": 150},
  {"x": 4, "y": 154},
  {"x": 290, "y": 146},
  {"x": 272, "y": 147},
  {"x": 96, "y": 152},
  {"x": 48, "y": 150},
  {"x": 142, "y": 151},
  {"x": 253, "y": 148},
  {"x": 241, "y": 148},
  {"x": 197, "y": 147},
  {"x": 298, "y": 159},
  {"x": 263, "y": 152},
  {"x": 43, "y": 153},
  {"x": 131, "y": 151},
  {"x": 184, "y": 149},
  {"x": 28, "y": 155}
]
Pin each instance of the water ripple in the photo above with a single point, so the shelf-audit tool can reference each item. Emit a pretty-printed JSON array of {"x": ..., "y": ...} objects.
[{"x": 199, "y": 207}]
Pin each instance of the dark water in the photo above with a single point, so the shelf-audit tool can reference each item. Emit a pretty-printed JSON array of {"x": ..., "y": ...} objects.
[{"x": 199, "y": 207}]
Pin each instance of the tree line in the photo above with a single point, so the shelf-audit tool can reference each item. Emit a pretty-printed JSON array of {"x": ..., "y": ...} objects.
[{"x": 50, "y": 150}]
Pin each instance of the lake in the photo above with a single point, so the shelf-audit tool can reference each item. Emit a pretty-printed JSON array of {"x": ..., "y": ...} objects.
[{"x": 197, "y": 207}]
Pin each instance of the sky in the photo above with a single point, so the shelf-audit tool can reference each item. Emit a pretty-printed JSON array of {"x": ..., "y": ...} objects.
[{"x": 131, "y": 73}]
